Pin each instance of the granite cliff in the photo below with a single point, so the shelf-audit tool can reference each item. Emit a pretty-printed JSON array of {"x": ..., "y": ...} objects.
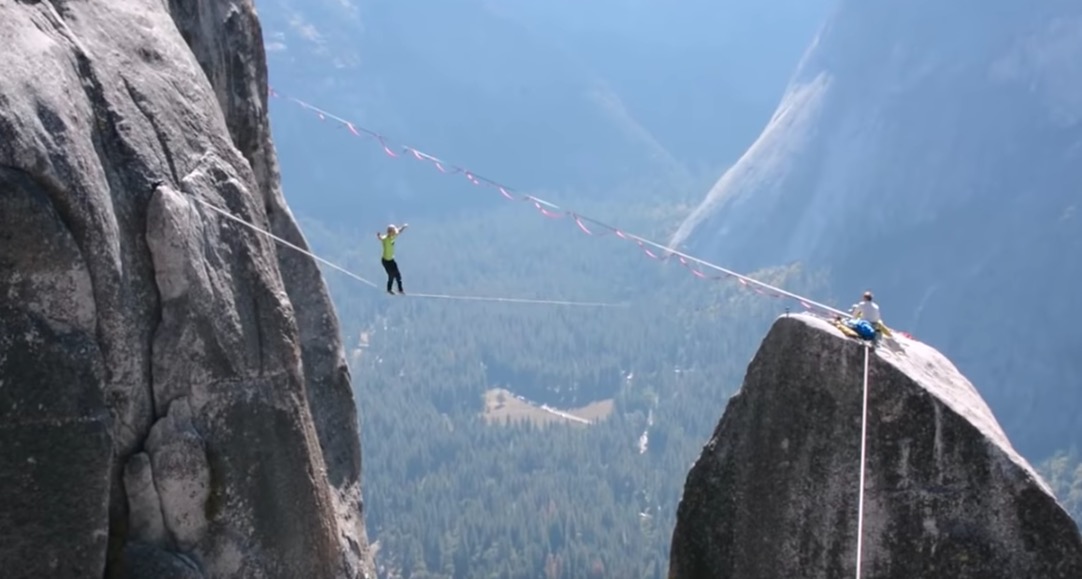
[
  {"x": 174, "y": 399},
  {"x": 775, "y": 491}
]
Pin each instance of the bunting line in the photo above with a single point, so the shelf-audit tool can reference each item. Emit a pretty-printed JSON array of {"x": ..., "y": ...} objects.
[{"x": 554, "y": 211}]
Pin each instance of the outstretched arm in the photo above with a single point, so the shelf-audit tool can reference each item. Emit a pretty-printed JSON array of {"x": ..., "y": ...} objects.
[{"x": 403, "y": 228}]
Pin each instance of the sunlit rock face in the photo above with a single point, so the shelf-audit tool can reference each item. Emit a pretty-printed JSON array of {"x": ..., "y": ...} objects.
[{"x": 174, "y": 400}]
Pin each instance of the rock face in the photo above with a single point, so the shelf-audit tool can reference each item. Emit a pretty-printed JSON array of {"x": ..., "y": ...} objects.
[
  {"x": 775, "y": 491},
  {"x": 932, "y": 151},
  {"x": 174, "y": 398}
]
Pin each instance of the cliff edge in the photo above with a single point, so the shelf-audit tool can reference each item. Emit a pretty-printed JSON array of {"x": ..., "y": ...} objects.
[
  {"x": 775, "y": 491},
  {"x": 174, "y": 398}
]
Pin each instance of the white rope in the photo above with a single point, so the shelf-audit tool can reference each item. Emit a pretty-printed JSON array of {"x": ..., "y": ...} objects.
[
  {"x": 236, "y": 219},
  {"x": 229, "y": 215},
  {"x": 322, "y": 112},
  {"x": 524, "y": 300},
  {"x": 737, "y": 275},
  {"x": 692, "y": 258},
  {"x": 357, "y": 129},
  {"x": 863, "y": 450},
  {"x": 516, "y": 300}
]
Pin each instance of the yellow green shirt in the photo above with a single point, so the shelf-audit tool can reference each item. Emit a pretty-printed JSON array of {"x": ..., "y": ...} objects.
[{"x": 388, "y": 246}]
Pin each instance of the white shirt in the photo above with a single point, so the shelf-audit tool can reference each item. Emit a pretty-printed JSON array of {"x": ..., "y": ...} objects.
[{"x": 868, "y": 311}]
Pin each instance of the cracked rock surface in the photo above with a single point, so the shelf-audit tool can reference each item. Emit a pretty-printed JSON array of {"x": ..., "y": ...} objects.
[
  {"x": 174, "y": 398},
  {"x": 775, "y": 491}
]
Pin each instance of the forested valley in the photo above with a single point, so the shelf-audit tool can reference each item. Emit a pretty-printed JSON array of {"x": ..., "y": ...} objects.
[
  {"x": 453, "y": 492},
  {"x": 465, "y": 473},
  {"x": 450, "y": 493}
]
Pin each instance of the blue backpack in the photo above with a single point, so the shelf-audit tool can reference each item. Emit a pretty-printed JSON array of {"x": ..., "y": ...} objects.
[{"x": 863, "y": 328}]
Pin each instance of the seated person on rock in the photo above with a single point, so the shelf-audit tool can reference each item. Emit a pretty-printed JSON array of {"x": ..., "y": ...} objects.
[{"x": 868, "y": 311}]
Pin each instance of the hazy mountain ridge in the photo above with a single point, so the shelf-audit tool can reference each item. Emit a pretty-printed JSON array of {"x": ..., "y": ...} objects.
[
  {"x": 430, "y": 75},
  {"x": 926, "y": 151},
  {"x": 517, "y": 95}
]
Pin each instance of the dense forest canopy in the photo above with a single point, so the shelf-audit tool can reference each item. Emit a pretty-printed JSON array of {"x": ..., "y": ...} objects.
[{"x": 631, "y": 130}]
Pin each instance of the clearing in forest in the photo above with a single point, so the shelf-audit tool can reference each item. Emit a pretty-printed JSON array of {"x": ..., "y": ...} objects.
[{"x": 502, "y": 406}]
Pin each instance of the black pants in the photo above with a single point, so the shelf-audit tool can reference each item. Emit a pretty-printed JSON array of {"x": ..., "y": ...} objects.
[{"x": 393, "y": 275}]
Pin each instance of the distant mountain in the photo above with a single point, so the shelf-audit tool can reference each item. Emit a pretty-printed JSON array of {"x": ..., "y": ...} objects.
[
  {"x": 516, "y": 91},
  {"x": 702, "y": 75},
  {"x": 933, "y": 152}
]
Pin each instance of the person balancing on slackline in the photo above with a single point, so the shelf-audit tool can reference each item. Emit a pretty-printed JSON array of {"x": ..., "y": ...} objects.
[{"x": 389, "y": 264}]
